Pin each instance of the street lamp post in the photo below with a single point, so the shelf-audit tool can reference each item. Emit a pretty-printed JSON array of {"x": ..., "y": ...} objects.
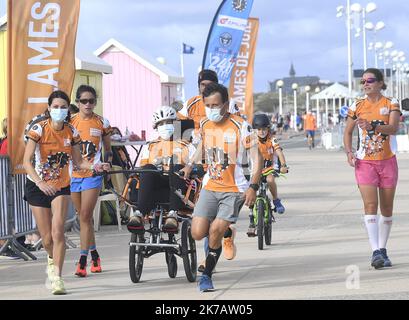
[
  {"x": 370, "y": 7},
  {"x": 394, "y": 59},
  {"x": 280, "y": 84},
  {"x": 375, "y": 45},
  {"x": 317, "y": 90},
  {"x": 340, "y": 13},
  {"x": 307, "y": 98},
  {"x": 295, "y": 87}
]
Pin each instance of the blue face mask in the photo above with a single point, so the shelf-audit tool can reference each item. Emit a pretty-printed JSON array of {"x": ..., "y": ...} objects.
[
  {"x": 213, "y": 114},
  {"x": 58, "y": 115},
  {"x": 166, "y": 131}
]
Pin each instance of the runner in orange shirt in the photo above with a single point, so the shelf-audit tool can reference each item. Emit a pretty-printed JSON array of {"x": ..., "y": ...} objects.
[
  {"x": 376, "y": 168},
  {"x": 310, "y": 126},
  {"x": 52, "y": 142},
  {"x": 95, "y": 133},
  {"x": 225, "y": 140},
  {"x": 195, "y": 110}
]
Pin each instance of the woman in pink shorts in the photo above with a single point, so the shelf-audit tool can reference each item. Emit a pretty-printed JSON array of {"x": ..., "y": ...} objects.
[{"x": 376, "y": 168}]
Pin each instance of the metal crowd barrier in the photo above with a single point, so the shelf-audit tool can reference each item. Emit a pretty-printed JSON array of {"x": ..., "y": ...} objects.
[
  {"x": 4, "y": 198},
  {"x": 333, "y": 138},
  {"x": 16, "y": 218},
  {"x": 24, "y": 222}
]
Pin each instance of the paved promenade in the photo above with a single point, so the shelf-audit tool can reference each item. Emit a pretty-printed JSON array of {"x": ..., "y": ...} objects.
[{"x": 320, "y": 249}]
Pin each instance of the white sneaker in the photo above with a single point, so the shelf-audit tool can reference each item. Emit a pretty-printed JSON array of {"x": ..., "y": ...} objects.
[
  {"x": 172, "y": 214},
  {"x": 58, "y": 287},
  {"x": 50, "y": 269},
  {"x": 171, "y": 221},
  {"x": 136, "y": 213}
]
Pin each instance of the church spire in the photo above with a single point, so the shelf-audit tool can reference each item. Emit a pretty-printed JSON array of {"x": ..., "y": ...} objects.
[{"x": 292, "y": 70}]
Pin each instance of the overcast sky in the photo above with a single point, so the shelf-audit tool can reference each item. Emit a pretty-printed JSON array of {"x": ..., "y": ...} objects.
[{"x": 303, "y": 31}]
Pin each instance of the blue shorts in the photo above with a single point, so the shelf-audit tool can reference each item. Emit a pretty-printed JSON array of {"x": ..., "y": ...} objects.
[
  {"x": 82, "y": 184},
  {"x": 309, "y": 133}
]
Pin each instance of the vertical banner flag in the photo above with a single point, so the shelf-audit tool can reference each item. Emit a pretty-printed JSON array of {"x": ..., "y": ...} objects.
[
  {"x": 241, "y": 81},
  {"x": 224, "y": 39},
  {"x": 41, "y": 59}
]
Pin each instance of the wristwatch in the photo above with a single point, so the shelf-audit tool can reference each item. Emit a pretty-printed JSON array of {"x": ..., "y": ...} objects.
[{"x": 254, "y": 186}]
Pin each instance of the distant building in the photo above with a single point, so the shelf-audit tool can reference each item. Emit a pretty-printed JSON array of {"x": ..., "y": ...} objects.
[{"x": 312, "y": 81}]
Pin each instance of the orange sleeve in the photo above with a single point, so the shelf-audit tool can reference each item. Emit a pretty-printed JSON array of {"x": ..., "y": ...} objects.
[
  {"x": 35, "y": 133},
  {"x": 352, "y": 111},
  {"x": 76, "y": 139}
]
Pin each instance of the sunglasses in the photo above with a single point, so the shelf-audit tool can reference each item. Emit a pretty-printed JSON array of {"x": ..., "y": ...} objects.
[
  {"x": 85, "y": 101},
  {"x": 369, "y": 80}
]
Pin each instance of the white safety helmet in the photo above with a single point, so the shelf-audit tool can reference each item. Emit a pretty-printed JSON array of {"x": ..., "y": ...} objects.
[{"x": 163, "y": 113}]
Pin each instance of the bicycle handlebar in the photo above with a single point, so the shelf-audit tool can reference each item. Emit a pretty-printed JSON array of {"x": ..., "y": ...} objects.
[{"x": 267, "y": 171}]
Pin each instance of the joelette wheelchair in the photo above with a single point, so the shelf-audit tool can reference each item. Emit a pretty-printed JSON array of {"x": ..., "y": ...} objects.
[{"x": 154, "y": 238}]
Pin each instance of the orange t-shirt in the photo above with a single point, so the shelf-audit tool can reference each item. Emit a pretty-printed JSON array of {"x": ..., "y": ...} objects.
[
  {"x": 310, "y": 123},
  {"x": 224, "y": 146},
  {"x": 91, "y": 132},
  {"x": 194, "y": 109},
  {"x": 374, "y": 145},
  {"x": 268, "y": 147},
  {"x": 159, "y": 153},
  {"x": 53, "y": 151}
]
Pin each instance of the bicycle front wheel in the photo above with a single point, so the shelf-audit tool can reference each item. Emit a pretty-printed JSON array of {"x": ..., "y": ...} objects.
[
  {"x": 268, "y": 225},
  {"x": 260, "y": 223}
]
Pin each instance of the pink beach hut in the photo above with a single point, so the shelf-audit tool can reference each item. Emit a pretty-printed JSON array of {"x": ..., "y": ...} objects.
[{"x": 137, "y": 86}]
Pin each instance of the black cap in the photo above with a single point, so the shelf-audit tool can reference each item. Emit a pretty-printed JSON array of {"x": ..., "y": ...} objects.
[{"x": 207, "y": 74}]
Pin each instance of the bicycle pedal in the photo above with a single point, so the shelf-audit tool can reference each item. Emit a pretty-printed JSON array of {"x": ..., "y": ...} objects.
[{"x": 251, "y": 234}]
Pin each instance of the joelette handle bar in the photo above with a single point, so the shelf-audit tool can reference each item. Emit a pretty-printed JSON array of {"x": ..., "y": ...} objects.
[{"x": 135, "y": 171}]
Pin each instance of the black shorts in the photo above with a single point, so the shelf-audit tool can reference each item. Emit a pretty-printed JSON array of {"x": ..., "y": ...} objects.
[{"x": 35, "y": 197}]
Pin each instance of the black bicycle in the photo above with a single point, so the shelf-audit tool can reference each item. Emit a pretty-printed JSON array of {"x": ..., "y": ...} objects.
[{"x": 263, "y": 212}]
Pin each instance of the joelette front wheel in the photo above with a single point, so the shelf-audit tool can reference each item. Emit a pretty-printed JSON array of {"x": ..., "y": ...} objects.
[
  {"x": 136, "y": 257},
  {"x": 172, "y": 264}
]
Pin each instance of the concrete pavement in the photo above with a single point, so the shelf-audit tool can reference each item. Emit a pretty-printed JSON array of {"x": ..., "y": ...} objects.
[{"x": 320, "y": 249}]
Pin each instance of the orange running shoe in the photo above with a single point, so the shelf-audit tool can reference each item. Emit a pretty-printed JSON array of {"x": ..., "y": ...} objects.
[
  {"x": 82, "y": 273},
  {"x": 229, "y": 248},
  {"x": 96, "y": 266}
]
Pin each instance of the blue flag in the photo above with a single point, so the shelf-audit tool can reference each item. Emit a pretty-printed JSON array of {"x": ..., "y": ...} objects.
[
  {"x": 188, "y": 49},
  {"x": 224, "y": 39}
]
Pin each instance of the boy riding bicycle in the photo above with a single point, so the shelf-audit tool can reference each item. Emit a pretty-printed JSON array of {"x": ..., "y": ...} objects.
[
  {"x": 269, "y": 148},
  {"x": 167, "y": 153}
]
